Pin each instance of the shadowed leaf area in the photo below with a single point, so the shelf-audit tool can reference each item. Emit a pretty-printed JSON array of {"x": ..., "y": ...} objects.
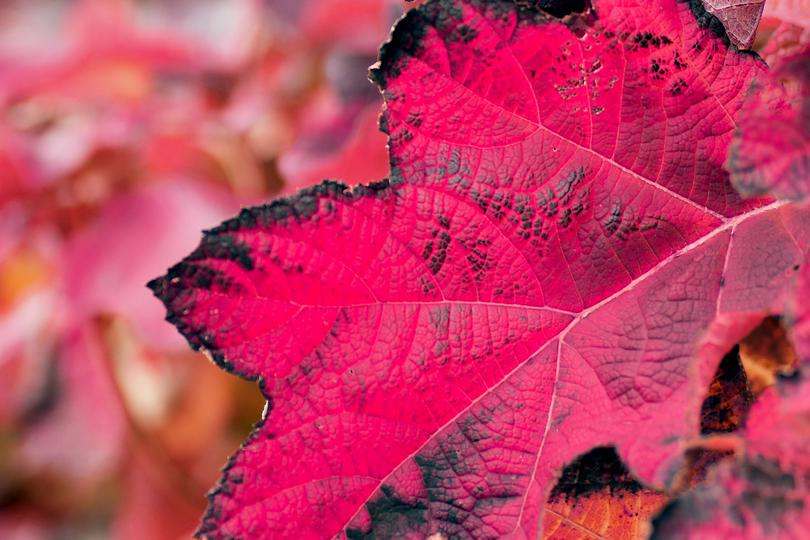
[
  {"x": 596, "y": 497},
  {"x": 729, "y": 397}
]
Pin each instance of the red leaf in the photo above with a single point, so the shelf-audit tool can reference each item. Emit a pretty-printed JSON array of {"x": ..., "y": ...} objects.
[
  {"x": 345, "y": 146},
  {"x": 86, "y": 414},
  {"x": 558, "y": 262},
  {"x": 140, "y": 231},
  {"x": 775, "y": 161},
  {"x": 796, "y": 11},
  {"x": 764, "y": 493}
]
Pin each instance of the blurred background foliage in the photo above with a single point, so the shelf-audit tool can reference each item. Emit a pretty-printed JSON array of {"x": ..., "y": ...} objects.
[{"x": 127, "y": 127}]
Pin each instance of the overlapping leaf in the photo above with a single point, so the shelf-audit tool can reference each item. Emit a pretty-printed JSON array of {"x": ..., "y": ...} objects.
[
  {"x": 776, "y": 161},
  {"x": 557, "y": 262},
  {"x": 763, "y": 494},
  {"x": 739, "y": 17}
]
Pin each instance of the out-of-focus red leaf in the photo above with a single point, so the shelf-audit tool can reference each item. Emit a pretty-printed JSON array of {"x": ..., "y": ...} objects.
[
  {"x": 784, "y": 30},
  {"x": 78, "y": 431},
  {"x": 151, "y": 506},
  {"x": 764, "y": 160},
  {"x": 24, "y": 350},
  {"x": 796, "y": 11},
  {"x": 558, "y": 243},
  {"x": 322, "y": 22},
  {"x": 22, "y": 525},
  {"x": 739, "y": 17},
  {"x": 141, "y": 232},
  {"x": 16, "y": 167},
  {"x": 763, "y": 494},
  {"x": 343, "y": 144}
]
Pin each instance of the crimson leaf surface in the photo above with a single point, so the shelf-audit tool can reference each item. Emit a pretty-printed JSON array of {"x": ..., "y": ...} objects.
[{"x": 557, "y": 262}]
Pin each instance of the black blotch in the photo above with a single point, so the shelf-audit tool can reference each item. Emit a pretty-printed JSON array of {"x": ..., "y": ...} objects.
[
  {"x": 302, "y": 206},
  {"x": 614, "y": 219},
  {"x": 479, "y": 260},
  {"x": 557, "y": 8},
  {"x": 414, "y": 119},
  {"x": 729, "y": 397},
  {"x": 458, "y": 509},
  {"x": 391, "y": 516},
  {"x": 599, "y": 469},
  {"x": 406, "y": 38},
  {"x": 678, "y": 87},
  {"x": 428, "y": 250},
  {"x": 645, "y": 40},
  {"x": 658, "y": 69},
  {"x": 678, "y": 61},
  {"x": 219, "y": 246},
  {"x": 437, "y": 260},
  {"x": 405, "y": 41},
  {"x": 464, "y": 33}
]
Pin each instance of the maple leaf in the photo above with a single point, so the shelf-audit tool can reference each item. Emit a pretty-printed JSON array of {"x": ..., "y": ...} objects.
[
  {"x": 739, "y": 17},
  {"x": 558, "y": 262}
]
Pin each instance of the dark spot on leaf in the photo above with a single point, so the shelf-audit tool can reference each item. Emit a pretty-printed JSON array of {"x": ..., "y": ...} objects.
[
  {"x": 221, "y": 246},
  {"x": 437, "y": 260},
  {"x": 645, "y": 40},
  {"x": 677, "y": 88},
  {"x": 558, "y": 8},
  {"x": 427, "y": 250},
  {"x": 729, "y": 397},
  {"x": 391, "y": 516},
  {"x": 598, "y": 470},
  {"x": 464, "y": 33}
]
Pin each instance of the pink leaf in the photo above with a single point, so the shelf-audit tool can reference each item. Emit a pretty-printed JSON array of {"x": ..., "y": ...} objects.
[
  {"x": 136, "y": 235},
  {"x": 86, "y": 414},
  {"x": 558, "y": 262},
  {"x": 345, "y": 146},
  {"x": 764, "y": 160},
  {"x": 795, "y": 11}
]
